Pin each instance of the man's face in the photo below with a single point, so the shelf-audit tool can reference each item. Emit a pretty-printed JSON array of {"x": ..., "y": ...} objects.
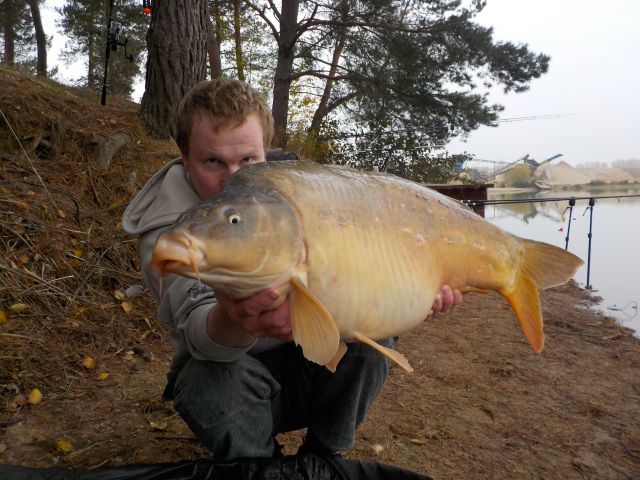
[{"x": 214, "y": 156}]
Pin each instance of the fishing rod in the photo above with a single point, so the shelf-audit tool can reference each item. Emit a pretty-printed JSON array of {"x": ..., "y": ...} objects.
[
  {"x": 474, "y": 203},
  {"x": 572, "y": 202},
  {"x": 592, "y": 203},
  {"x": 115, "y": 39}
]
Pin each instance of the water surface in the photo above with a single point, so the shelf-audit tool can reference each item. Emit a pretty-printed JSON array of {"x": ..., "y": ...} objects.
[{"x": 615, "y": 242}]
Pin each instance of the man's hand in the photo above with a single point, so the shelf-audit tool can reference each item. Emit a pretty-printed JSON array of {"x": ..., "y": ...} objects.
[
  {"x": 233, "y": 322},
  {"x": 446, "y": 299}
]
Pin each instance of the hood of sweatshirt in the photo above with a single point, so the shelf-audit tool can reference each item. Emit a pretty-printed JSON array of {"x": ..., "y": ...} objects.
[{"x": 161, "y": 200}]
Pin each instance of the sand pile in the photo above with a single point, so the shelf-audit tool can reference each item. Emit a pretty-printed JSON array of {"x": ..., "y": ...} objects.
[
  {"x": 634, "y": 172},
  {"x": 561, "y": 173},
  {"x": 608, "y": 175}
]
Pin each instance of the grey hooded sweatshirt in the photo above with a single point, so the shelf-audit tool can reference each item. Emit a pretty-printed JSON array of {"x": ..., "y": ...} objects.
[{"x": 183, "y": 303}]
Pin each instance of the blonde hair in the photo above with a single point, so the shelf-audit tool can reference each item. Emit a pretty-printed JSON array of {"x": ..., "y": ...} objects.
[{"x": 228, "y": 101}]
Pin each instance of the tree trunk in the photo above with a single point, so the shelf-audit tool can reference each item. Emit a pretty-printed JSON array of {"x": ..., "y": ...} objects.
[
  {"x": 238, "y": 39},
  {"x": 284, "y": 68},
  {"x": 90, "y": 64},
  {"x": 213, "y": 51},
  {"x": 322, "y": 110},
  {"x": 9, "y": 34},
  {"x": 176, "y": 61},
  {"x": 41, "y": 38}
]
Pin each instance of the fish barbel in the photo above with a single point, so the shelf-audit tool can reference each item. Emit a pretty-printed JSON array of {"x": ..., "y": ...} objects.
[{"x": 361, "y": 256}]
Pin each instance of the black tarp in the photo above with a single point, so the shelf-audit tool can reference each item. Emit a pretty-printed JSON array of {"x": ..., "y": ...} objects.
[{"x": 295, "y": 467}]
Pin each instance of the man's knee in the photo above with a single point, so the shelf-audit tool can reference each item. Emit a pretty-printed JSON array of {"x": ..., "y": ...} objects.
[{"x": 226, "y": 403}]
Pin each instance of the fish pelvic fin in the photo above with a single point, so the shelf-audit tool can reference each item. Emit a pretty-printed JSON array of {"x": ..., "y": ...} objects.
[
  {"x": 393, "y": 355},
  {"x": 333, "y": 364},
  {"x": 542, "y": 266},
  {"x": 312, "y": 326}
]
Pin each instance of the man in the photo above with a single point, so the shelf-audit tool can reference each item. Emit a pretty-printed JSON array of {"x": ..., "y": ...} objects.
[{"x": 236, "y": 378}]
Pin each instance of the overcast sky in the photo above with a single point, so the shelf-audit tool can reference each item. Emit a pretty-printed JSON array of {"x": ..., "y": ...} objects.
[{"x": 593, "y": 75}]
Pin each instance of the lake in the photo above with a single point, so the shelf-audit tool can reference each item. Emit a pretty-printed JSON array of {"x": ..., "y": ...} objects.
[{"x": 615, "y": 243}]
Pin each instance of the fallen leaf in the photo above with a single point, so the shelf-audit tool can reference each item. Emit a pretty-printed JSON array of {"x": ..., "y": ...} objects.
[
  {"x": 77, "y": 252},
  {"x": 89, "y": 363},
  {"x": 61, "y": 214},
  {"x": 34, "y": 397},
  {"x": 119, "y": 294},
  {"x": 162, "y": 425},
  {"x": 4, "y": 317},
  {"x": 24, "y": 259},
  {"x": 377, "y": 449},
  {"x": 417, "y": 441},
  {"x": 103, "y": 376},
  {"x": 127, "y": 306},
  {"x": 64, "y": 446},
  {"x": 19, "y": 307}
]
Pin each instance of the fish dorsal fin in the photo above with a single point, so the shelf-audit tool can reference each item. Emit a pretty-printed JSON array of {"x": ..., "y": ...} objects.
[
  {"x": 312, "y": 326},
  {"x": 390, "y": 353}
]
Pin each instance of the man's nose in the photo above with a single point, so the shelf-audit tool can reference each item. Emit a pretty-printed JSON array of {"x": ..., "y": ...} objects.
[{"x": 232, "y": 169}]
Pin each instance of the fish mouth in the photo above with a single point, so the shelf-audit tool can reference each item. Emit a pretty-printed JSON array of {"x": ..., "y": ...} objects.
[{"x": 176, "y": 253}]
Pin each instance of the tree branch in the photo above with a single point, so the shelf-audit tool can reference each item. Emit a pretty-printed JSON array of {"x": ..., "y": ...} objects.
[{"x": 260, "y": 12}]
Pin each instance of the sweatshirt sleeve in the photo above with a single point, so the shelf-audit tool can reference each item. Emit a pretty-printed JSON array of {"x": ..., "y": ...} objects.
[{"x": 183, "y": 306}]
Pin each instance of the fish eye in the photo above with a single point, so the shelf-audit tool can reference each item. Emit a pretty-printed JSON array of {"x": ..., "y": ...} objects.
[{"x": 234, "y": 218}]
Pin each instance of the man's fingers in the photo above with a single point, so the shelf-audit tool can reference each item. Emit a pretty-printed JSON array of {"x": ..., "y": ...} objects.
[
  {"x": 457, "y": 297},
  {"x": 447, "y": 298},
  {"x": 444, "y": 300},
  {"x": 437, "y": 304}
]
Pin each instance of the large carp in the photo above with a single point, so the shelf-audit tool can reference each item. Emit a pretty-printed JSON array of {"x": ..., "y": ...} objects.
[{"x": 361, "y": 256}]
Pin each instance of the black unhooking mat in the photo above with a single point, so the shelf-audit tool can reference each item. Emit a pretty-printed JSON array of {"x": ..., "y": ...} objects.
[{"x": 295, "y": 467}]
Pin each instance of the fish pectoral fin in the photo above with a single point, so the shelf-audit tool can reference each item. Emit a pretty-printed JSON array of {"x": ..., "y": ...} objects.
[
  {"x": 312, "y": 326},
  {"x": 390, "y": 353},
  {"x": 333, "y": 364}
]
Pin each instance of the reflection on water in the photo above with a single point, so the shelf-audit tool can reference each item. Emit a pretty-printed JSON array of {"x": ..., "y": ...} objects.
[{"x": 615, "y": 262}]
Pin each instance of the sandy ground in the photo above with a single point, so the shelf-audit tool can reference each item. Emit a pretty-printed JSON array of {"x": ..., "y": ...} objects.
[{"x": 480, "y": 404}]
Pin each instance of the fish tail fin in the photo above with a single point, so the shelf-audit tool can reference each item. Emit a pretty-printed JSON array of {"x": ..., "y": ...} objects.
[{"x": 541, "y": 266}]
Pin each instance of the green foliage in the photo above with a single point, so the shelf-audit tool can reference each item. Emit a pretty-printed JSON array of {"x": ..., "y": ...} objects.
[
  {"x": 84, "y": 22},
  {"x": 258, "y": 45},
  {"x": 16, "y": 27},
  {"x": 518, "y": 176},
  {"x": 409, "y": 154}
]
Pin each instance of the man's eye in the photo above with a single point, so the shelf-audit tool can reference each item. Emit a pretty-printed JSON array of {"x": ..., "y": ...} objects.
[
  {"x": 247, "y": 159},
  {"x": 212, "y": 160}
]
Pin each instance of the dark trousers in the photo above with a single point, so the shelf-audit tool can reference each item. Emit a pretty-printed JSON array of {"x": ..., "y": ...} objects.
[{"x": 236, "y": 408}]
